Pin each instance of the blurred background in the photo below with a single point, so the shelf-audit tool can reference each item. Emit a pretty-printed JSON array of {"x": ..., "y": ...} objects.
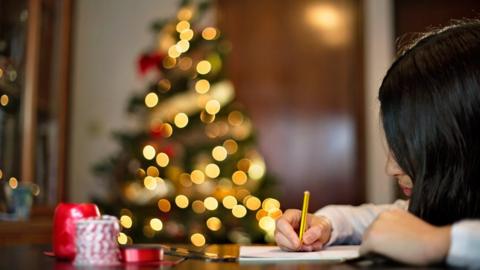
[{"x": 196, "y": 121}]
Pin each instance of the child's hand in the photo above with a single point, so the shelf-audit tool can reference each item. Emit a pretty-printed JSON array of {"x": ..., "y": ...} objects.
[
  {"x": 315, "y": 237},
  {"x": 404, "y": 237}
]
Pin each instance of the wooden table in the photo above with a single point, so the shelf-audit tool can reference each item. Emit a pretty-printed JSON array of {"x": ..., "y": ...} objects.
[{"x": 32, "y": 257}]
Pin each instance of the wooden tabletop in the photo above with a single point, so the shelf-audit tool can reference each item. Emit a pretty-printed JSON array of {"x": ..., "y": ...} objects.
[{"x": 31, "y": 257}]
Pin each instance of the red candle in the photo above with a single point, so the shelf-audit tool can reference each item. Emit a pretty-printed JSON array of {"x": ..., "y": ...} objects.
[{"x": 64, "y": 227}]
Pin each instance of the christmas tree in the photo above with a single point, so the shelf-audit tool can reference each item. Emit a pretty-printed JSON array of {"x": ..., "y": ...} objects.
[{"x": 192, "y": 173}]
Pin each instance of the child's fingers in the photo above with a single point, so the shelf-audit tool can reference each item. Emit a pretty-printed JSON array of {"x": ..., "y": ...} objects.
[
  {"x": 313, "y": 247},
  {"x": 285, "y": 228},
  {"x": 284, "y": 243},
  {"x": 313, "y": 234}
]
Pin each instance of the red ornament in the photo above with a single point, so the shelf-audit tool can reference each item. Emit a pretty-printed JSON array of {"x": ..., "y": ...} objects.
[
  {"x": 169, "y": 150},
  {"x": 149, "y": 61},
  {"x": 64, "y": 227}
]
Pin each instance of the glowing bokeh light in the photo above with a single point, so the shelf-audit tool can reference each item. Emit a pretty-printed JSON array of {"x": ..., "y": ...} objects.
[
  {"x": 164, "y": 205},
  {"x": 210, "y": 203},
  {"x": 239, "y": 211},
  {"x": 219, "y": 153},
  {"x": 156, "y": 224},
  {"x": 209, "y": 33},
  {"x": 202, "y": 86},
  {"x": 181, "y": 120},
  {"x": 198, "y": 239},
  {"x": 239, "y": 178},
  {"x": 214, "y": 224},
  {"x": 151, "y": 100},
  {"x": 149, "y": 152},
  {"x": 181, "y": 201},
  {"x": 204, "y": 67},
  {"x": 212, "y": 170},
  {"x": 126, "y": 221},
  {"x": 231, "y": 146},
  {"x": 229, "y": 201},
  {"x": 197, "y": 177}
]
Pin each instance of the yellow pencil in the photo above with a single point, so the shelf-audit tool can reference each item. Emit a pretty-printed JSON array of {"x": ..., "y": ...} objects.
[{"x": 303, "y": 221}]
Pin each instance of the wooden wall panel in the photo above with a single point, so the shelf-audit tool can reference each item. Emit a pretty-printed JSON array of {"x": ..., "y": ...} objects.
[{"x": 300, "y": 78}]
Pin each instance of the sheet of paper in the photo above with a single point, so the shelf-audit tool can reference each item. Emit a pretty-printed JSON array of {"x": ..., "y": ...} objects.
[{"x": 274, "y": 253}]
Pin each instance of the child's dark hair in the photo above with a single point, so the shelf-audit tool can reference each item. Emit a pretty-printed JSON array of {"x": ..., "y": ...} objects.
[{"x": 430, "y": 108}]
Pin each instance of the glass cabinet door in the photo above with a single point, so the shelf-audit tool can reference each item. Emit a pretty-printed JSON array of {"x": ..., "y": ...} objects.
[
  {"x": 13, "y": 33},
  {"x": 34, "y": 81}
]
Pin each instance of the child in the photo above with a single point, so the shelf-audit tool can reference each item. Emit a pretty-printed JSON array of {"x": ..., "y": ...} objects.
[{"x": 430, "y": 108}]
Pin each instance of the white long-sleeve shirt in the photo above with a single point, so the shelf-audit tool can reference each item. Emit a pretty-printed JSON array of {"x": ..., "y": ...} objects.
[{"x": 349, "y": 224}]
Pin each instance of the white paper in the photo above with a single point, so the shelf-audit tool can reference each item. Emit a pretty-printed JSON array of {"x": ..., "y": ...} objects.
[{"x": 274, "y": 253}]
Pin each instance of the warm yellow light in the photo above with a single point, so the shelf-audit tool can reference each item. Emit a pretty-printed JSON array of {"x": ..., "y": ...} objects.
[
  {"x": 239, "y": 177},
  {"x": 219, "y": 153},
  {"x": 253, "y": 203},
  {"x": 260, "y": 214},
  {"x": 267, "y": 223},
  {"x": 182, "y": 26},
  {"x": 156, "y": 224},
  {"x": 173, "y": 51},
  {"x": 229, "y": 201},
  {"x": 203, "y": 67},
  {"x": 164, "y": 205},
  {"x": 4, "y": 100},
  {"x": 150, "y": 183},
  {"x": 181, "y": 120},
  {"x": 153, "y": 171},
  {"x": 170, "y": 62},
  {"x": 186, "y": 35},
  {"x": 270, "y": 203},
  {"x": 185, "y": 63},
  {"x": 126, "y": 221},
  {"x": 185, "y": 180},
  {"x": 202, "y": 86},
  {"x": 122, "y": 238},
  {"x": 209, "y": 33},
  {"x": 231, "y": 146},
  {"x": 242, "y": 193},
  {"x": 210, "y": 203},
  {"x": 13, "y": 182},
  {"x": 325, "y": 17},
  {"x": 198, "y": 239},
  {"x": 181, "y": 201},
  {"x": 182, "y": 46},
  {"x": 149, "y": 152},
  {"x": 214, "y": 224},
  {"x": 151, "y": 100},
  {"x": 213, "y": 106},
  {"x": 162, "y": 159},
  {"x": 256, "y": 171},
  {"x": 275, "y": 213},
  {"x": 1, "y": 174},
  {"x": 184, "y": 14},
  {"x": 198, "y": 207},
  {"x": 197, "y": 177},
  {"x": 239, "y": 211},
  {"x": 1, "y": 73},
  {"x": 243, "y": 164},
  {"x": 212, "y": 170},
  {"x": 167, "y": 130},
  {"x": 164, "y": 85},
  {"x": 235, "y": 118},
  {"x": 206, "y": 117}
]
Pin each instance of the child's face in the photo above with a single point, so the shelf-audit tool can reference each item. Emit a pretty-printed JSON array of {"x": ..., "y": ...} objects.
[{"x": 395, "y": 171}]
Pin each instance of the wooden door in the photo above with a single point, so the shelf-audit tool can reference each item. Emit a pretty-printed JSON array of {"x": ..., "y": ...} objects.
[{"x": 297, "y": 68}]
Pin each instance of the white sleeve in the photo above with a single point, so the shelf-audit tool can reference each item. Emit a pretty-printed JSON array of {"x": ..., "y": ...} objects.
[
  {"x": 465, "y": 244},
  {"x": 349, "y": 222}
]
